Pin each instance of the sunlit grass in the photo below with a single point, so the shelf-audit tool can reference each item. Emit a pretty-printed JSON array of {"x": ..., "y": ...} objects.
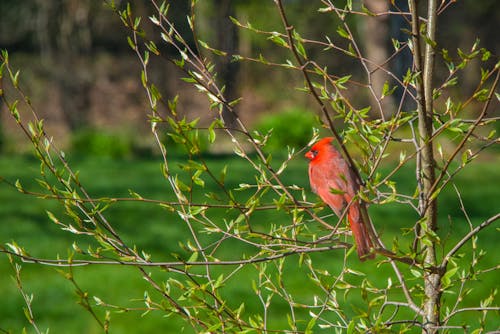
[{"x": 159, "y": 232}]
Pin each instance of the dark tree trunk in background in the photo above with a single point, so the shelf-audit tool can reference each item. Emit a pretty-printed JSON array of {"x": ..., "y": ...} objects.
[
  {"x": 227, "y": 40},
  {"x": 1, "y": 127},
  {"x": 75, "y": 91},
  {"x": 64, "y": 35},
  {"x": 376, "y": 40},
  {"x": 404, "y": 59},
  {"x": 75, "y": 75}
]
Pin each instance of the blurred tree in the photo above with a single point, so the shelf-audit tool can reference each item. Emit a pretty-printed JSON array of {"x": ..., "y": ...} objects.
[
  {"x": 227, "y": 40},
  {"x": 403, "y": 61},
  {"x": 376, "y": 40},
  {"x": 214, "y": 25},
  {"x": 66, "y": 41},
  {"x": 17, "y": 24}
]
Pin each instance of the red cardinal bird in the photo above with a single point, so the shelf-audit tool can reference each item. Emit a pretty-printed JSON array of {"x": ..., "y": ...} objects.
[{"x": 335, "y": 183}]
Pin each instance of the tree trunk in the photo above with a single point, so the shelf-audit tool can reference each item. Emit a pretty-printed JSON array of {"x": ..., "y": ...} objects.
[
  {"x": 426, "y": 172},
  {"x": 227, "y": 41}
]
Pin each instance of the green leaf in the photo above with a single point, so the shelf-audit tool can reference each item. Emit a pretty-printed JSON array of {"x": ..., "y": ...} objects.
[
  {"x": 481, "y": 95},
  {"x": 214, "y": 328},
  {"x": 235, "y": 21},
  {"x": 219, "y": 281},
  {"x": 298, "y": 44},
  {"x": 14, "y": 78},
  {"x": 153, "y": 48},
  {"x": 343, "y": 79},
  {"x": 211, "y": 133},
  {"x": 165, "y": 37},
  {"x": 155, "y": 20},
  {"x": 426, "y": 241},
  {"x": 342, "y": 32},
  {"x": 144, "y": 80},
  {"x": 367, "y": 11},
  {"x": 416, "y": 273},
  {"x": 131, "y": 43},
  {"x": 276, "y": 38},
  {"x": 14, "y": 112},
  {"x": 351, "y": 327},
  {"x": 486, "y": 55},
  {"x": 349, "y": 5},
  {"x": 352, "y": 52},
  {"x": 446, "y": 280},
  {"x": 137, "y": 22},
  {"x": 396, "y": 44},
  {"x": 2, "y": 66},
  {"x": 452, "y": 82},
  {"x": 52, "y": 217},
  {"x": 374, "y": 139},
  {"x": 18, "y": 186},
  {"x": 402, "y": 156},
  {"x": 193, "y": 257},
  {"x": 301, "y": 50},
  {"x": 465, "y": 157},
  {"x": 337, "y": 191},
  {"x": 310, "y": 325},
  {"x": 386, "y": 90}
]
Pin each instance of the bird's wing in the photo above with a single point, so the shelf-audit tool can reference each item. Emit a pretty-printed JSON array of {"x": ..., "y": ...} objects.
[{"x": 330, "y": 186}]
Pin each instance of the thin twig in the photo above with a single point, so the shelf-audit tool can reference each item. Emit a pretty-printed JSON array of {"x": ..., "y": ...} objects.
[
  {"x": 466, "y": 238},
  {"x": 75, "y": 262}
]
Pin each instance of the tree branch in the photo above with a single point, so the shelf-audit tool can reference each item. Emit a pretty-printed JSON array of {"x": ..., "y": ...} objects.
[
  {"x": 467, "y": 237},
  {"x": 426, "y": 175},
  {"x": 466, "y": 137},
  {"x": 75, "y": 263}
]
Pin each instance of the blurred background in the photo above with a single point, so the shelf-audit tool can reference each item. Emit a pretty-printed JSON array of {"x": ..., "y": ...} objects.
[{"x": 83, "y": 78}]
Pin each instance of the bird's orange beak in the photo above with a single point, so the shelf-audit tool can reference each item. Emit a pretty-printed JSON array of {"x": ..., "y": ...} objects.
[{"x": 309, "y": 155}]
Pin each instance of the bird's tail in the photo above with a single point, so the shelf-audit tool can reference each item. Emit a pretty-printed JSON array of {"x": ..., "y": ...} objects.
[{"x": 360, "y": 232}]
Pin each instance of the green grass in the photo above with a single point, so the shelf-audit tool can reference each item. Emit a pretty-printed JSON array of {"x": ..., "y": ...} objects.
[{"x": 158, "y": 231}]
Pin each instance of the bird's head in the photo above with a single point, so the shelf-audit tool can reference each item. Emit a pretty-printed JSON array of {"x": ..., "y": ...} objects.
[{"x": 321, "y": 146}]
